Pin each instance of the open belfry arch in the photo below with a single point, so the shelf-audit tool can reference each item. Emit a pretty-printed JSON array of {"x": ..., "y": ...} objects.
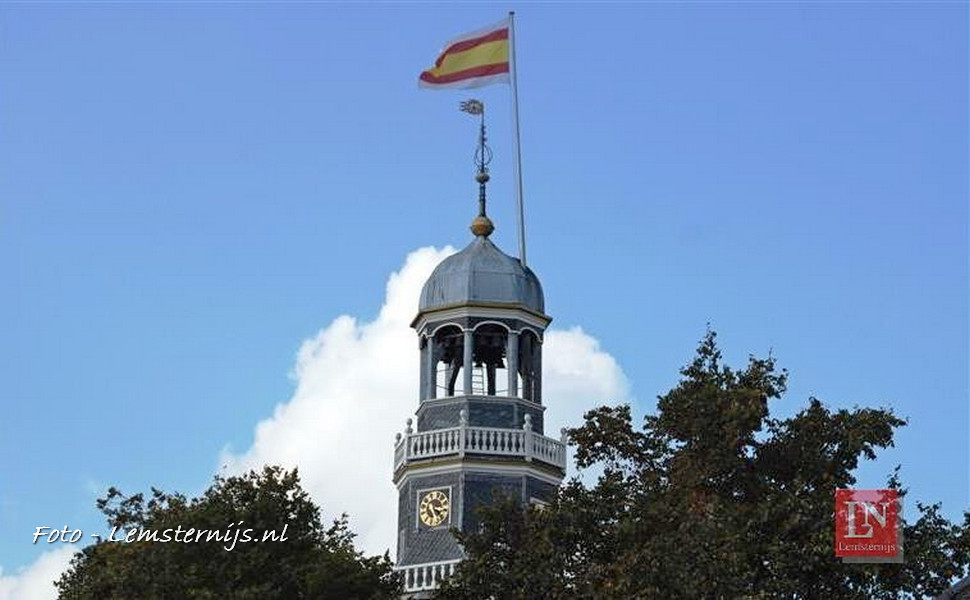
[
  {"x": 468, "y": 355},
  {"x": 479, "y": 425}
]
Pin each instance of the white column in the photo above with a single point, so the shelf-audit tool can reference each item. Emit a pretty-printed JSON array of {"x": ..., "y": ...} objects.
[
  {"x": 467, "y": 364},
  {"x": 537, "y": 377},
  {"x": 512, "y": 360},
  {"x": 431, "y": 376}
]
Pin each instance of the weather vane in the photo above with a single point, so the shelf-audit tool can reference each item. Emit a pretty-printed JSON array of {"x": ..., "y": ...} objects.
[{"x": 483, "y": 155}]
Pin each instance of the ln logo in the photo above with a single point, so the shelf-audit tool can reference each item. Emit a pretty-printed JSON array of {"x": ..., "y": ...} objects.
[{"x": 867, "y": 526}]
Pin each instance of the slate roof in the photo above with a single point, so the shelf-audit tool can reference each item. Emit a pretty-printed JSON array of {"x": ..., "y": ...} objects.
[{"x": 481, "y": 273}]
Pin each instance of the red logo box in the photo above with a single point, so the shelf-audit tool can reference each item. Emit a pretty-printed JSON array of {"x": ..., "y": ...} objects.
[{"x": 867, "y": 523}]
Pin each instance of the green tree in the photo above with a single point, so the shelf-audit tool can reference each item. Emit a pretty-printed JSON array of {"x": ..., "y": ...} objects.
[
  {"x": 312, "y": 562},
  {"x": 710, "y": 498}
]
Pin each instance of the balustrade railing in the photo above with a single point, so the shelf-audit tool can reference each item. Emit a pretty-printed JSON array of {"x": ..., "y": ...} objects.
[
  {"x": 427, "y": 576},
  {"x": 495, "y": 441},
  {"x": 549, "y": 450}
]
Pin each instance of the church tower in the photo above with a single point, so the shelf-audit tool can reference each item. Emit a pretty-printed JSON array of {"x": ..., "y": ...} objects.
[{"x": 479, "y": 425}]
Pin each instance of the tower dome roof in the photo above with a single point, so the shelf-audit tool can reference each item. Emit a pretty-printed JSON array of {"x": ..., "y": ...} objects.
[{"x": 481, "y": 273}]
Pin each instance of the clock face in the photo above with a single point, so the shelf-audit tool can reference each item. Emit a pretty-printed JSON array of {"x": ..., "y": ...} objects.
[{"x": 434, "y": 508}]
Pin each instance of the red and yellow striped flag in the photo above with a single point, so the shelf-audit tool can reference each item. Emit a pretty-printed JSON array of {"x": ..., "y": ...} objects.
[{"x": 472, "y": 60}]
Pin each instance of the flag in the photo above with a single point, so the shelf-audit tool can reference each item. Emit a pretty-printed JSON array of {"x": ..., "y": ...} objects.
[{"x": 472, "y": 60}]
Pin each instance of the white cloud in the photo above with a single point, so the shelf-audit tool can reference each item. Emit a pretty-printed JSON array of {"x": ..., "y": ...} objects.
[
  {"x": 36, "y": 582},
  {"x": 577, "y": 376},
  {"x": 357, "y": 383}
]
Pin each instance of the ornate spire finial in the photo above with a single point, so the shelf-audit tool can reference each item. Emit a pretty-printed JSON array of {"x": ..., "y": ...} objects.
[{"x": 481, "y": 226}]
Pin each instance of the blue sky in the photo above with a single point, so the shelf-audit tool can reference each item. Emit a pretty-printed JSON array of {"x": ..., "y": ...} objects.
[{"x": 189, "y": 191}]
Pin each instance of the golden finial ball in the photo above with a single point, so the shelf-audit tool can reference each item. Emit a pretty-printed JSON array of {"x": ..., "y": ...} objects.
[
  {"x": 482, "y": 226},
  {"x": 481, "y": 177}
]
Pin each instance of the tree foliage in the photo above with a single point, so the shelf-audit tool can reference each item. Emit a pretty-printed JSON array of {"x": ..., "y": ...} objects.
[
  {"x": 312, "y": 563},
  {"x": 711, "y": 498}
]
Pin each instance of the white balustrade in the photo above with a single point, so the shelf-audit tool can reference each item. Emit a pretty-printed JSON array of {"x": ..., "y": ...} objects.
[
  {"x": 426, "y": 576},
  {"x": 493, "y": 441},
  {"x": 438, "y": 442},
  {"x": 549, "y": 450},
  {"x": 489, "y": 440}
]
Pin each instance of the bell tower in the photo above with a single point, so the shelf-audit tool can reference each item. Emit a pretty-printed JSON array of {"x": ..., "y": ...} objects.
[{"x": 479, "y": 425}]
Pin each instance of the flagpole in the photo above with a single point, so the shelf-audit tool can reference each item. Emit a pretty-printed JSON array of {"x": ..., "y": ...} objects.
[{"x": 518, "y": 141}]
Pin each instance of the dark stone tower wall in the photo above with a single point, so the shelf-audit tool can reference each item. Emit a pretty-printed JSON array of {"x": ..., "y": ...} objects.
[{"x": 471, "y": 490}]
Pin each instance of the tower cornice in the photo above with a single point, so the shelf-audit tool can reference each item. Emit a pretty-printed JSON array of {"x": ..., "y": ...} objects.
[
  {"x": 485, "y": 399},
  {"x": 543, "y": 472},
  {"x": 497, "y": 310}
]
